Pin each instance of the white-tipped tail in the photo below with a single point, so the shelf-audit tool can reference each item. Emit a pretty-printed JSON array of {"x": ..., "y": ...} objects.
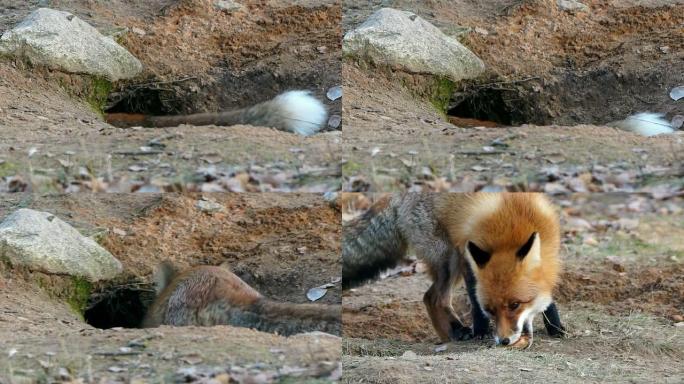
[
  {"x": 645, "y": 123},
  {"x": 303, "y": 113}
]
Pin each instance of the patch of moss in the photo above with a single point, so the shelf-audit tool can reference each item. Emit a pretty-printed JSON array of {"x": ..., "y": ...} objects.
[
  {"x": 97, "y": 94},
  {"x": 99, "y": 235},
  {"x": 440, "y": 94},
  {"x": 79, "y": 293},
  {"x": 8, "y": 169},
  {"x": 351, "y": 167}
]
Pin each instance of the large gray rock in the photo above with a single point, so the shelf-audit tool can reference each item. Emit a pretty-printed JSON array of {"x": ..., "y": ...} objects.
[
  {"x": 43, "y": 242},
  {"x": 62, "y": 41},
  {"x": 403, "y": 40}
]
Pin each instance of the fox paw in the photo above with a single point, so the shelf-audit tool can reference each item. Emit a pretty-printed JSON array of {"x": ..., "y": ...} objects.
[
  {"x": 556, "y": 330},
  {"x": 482, "y": 332},
  {"x": 524, "y": 342},
  {"x": 460, "y": 333}
]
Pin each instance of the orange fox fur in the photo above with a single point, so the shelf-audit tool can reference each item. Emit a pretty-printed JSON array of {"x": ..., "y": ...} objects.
[
  {"x": 210, "y": 295},
  {"x": 505, "y": 245}
]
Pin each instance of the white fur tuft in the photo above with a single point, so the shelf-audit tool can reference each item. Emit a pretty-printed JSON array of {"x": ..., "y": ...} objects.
[
  {"x": 304, "y": 113},
  {"x": 645, "y": 123}
]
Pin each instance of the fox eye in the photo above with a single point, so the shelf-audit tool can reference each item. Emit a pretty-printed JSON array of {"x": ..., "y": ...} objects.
[{"x": 513, "y": 306}]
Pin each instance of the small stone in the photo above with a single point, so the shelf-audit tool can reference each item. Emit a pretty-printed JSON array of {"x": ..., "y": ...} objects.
[
  {"x": 479, "y": 168},
  {"x": 555, "y": 189},
  {"x": 227, "y": 5},
  {"x": 209, "y": 206},
  {"x": 628, "y": 224},
  {"x": 677, "y": 93},
  {"x": 63, "y": 374},
  {"x": 677, "y": 121},
  {"x": 575, "y": 224},
  {"x": 481, "y": 31},
  {"x": 334, "y": 93},
  {"x": 555, "y": 158},
  {"x": 616, "y": 262},
  {"x": 314, "y": 294},
  {"x": 409, "y": 355},
  {"x": 572, "y": 6},
  {"x": 119, "y": 232},
  {"x": 137, "y": 168},
  {"x": 138, "y": 31},
  {"x": 192, "y": 359},
  {"x": 334, "y": 121}
]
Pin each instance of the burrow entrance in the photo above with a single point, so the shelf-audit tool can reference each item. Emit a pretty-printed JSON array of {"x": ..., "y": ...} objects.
[
  {"x": 119, "y": 306},
  {"x": 571, "y": 97},
  {"x": 492, "y": 106},
  {"x": 145, "y": 100},
  {"x": 223, "y": 90}
]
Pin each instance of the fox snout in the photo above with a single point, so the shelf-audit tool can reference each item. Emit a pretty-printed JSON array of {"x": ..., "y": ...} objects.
[
  {"x": 507, "y": 340},
  {"x": 507, "y": 331}
]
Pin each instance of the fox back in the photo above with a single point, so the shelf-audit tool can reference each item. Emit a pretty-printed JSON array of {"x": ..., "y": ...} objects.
[
  {"x": 190, "y": 297},
  {"x": 210, "y": 295}
]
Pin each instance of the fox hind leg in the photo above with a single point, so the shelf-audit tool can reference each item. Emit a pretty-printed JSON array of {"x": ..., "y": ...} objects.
[{"x": 438, "y": 302}]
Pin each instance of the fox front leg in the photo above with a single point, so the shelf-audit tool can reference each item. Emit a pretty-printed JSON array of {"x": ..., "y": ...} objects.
[
  {"x": 552, "y": 321},
  {"x": 481, "y": 328},
  {"x": 528, "y": 332}
]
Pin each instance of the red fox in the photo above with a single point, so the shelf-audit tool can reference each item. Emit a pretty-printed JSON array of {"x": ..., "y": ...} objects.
[
  {"x": 212, "y": 295},
  {"x": 505, "y": 246},
  {"x": 292, "y": 111}
]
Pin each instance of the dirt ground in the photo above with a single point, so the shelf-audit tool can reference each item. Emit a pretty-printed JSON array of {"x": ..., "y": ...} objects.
[
  {"x": 536, "y": 119},
  {"x": 281, "y": 244},
  {"x": 621, "y": 297},
  {"x": 196, "y": 58}
]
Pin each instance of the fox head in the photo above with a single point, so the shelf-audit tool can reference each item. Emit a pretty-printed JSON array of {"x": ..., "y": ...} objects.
[{"x": 514, "y": 282}]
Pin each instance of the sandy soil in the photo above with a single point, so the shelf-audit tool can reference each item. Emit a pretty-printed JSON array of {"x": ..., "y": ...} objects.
[
  {"x": 553, "y": 80},
  {"x": 621, "y": 297},
  {"x": 196, "y": 58},
  {"x": 261, "y": 237}
]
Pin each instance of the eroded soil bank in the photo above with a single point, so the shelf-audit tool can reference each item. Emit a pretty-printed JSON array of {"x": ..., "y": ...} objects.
[{"x": 281, "y": 244}]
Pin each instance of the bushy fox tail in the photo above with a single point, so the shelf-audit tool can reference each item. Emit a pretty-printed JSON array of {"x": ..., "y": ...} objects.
[
  {"x": 292, "y": 111},
  {"x": 371, "y": 243},
  {"x": 645, "y": 123}
]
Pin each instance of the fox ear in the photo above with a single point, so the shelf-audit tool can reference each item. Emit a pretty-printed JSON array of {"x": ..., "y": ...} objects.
[
  {"x": 531, "y": 250},
  {"x": 478, "y": 255}
]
